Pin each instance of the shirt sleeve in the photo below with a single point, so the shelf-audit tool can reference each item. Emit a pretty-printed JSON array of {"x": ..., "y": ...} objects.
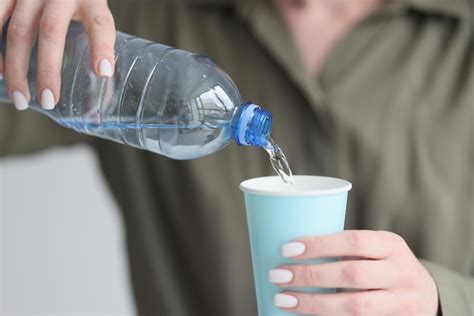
[
  {"x": 28, "y": 131},
  {"x": 456, "y": 291}
]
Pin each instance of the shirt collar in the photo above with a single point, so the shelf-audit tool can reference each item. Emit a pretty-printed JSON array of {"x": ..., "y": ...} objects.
[
  {"x": 268, "y": 26},
  {"x": 453, "y": 8}
]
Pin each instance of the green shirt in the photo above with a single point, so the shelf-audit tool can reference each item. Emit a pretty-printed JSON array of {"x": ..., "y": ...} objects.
[{"x": 391, "y": 111}]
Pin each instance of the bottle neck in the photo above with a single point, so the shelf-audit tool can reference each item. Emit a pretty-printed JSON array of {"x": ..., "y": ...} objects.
[{"x": 251, "y": 125}]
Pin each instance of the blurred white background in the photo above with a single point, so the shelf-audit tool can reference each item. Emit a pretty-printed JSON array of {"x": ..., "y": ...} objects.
[{"x": 61, "y": 239}]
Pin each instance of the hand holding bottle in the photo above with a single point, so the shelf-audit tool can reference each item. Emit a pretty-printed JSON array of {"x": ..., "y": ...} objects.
[{"x": 48, "y": 20}]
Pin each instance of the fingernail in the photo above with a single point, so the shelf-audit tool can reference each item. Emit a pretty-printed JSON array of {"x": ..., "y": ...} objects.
[
  {"x": 285, "y": 301},
  {"x": 47, "y": 99},
  {"x": 21, "y": 102},
  {"x": 105, "y": 68},
  {"x": 1, "y": 76},
  {"x": 280, "y": 276},
  {"x": 293, "y": 249}
]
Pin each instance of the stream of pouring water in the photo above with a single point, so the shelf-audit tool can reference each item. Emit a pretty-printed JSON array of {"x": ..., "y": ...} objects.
[{"x": 279, "y": 162}]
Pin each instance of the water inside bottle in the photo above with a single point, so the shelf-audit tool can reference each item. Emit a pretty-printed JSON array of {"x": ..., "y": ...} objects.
[
  {"x": 174, "y": 140},
  {"x": 279, "y": 162},
  {"x": 277, "y": 156},
  {"x": 87, "y": 126}
]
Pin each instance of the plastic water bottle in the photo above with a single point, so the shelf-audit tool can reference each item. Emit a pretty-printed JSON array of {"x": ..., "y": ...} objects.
[{"x": 168, "y": 101}]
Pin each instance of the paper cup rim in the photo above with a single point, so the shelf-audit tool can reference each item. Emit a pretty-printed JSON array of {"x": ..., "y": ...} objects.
[{"x": 338, "y": 186}]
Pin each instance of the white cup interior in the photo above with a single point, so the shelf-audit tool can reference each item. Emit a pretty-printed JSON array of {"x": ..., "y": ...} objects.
[{"x": 304, "y": 185}]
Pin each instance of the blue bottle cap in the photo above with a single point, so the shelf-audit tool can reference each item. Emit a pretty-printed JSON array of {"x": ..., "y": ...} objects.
[{"x": 252, "y": 126}]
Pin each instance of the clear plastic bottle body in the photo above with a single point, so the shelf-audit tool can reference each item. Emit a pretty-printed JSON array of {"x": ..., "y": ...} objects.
[{"x": 160, "y": 99}]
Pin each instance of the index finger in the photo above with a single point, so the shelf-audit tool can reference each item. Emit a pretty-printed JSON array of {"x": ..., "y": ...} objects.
[
  {"x": 351, "y": 243},
  {"x": 52, "y": 36},
  {"x": 100, "y": 27}
]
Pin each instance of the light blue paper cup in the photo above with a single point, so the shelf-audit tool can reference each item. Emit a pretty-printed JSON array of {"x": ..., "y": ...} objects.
[{"x": 277, "y": 214}]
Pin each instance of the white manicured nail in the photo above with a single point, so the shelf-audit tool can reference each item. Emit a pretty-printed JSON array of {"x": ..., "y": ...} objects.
[
  {"x": 280, "y": 276},
  {"x": 293, "y": 249},
  {"x": 47, "y": 99},
  {"x": 21, "y": 103},
  {"x": 285, "y": 301},
  {"x": 1, "y": 76},
  {"x": 105, "y": 68}
]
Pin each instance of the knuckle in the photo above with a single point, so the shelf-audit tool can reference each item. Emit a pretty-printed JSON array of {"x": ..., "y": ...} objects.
[
  {"x": 357, "y": 306},
  {"x": 357, "y": 239},
  {"x": 19, "y": 32},
  {"x": 353, "y": 274},
  {"x": 395, "y": 239},
  {"x": 48, "y": 72},
  {"x": 310, "y": 276},
  {"x": 50, "y": 26},
  {"x": 103, "y": 19}
]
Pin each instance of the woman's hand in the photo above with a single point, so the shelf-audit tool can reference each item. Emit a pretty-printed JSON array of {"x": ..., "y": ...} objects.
[
  {"x": 389, "y": 278},
  {"x": 49, "y": 21}
]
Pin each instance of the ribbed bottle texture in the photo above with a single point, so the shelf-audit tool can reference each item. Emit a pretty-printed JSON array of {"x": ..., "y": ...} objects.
[{"x": 168, "y": 101}]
